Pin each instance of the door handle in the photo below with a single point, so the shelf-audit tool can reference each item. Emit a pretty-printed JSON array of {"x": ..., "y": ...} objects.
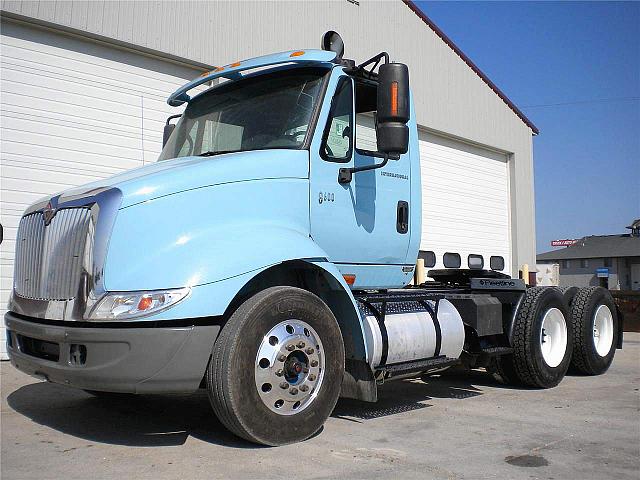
[{"x": 402, "y": 223}]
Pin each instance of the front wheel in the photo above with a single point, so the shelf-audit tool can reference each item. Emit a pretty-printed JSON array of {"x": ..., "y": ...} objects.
[
  {"x": 277, "y": 367},
  {"x": 542, "y": 340}
]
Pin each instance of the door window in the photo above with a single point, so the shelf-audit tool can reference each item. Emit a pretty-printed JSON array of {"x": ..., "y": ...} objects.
[
  {"x": 366, "y": 109},
  {"x": 337, "y": 143}
]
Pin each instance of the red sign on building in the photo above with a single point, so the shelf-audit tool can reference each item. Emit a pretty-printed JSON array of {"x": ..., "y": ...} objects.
[{"x": 563, "y": 243}]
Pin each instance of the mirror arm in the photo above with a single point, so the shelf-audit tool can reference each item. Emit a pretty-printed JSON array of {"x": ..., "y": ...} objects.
[
  {"x": 345, "y": 175},
  {"x": 172, "y": 117}
]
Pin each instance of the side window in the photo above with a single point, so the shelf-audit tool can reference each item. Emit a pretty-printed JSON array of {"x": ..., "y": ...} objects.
[
  {"x": 337, "y": 145},
  {"x": 366, "y": 105},
  {"x": 187, "y": 147}
]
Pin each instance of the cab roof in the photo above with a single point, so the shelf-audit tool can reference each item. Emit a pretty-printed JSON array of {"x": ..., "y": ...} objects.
[{"x": 233, "y": 70}]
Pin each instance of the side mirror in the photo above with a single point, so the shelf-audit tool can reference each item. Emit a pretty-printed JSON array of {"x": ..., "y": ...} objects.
[
  {"x": 393, "y": 108},
  {"x": 168, "y": 129}
]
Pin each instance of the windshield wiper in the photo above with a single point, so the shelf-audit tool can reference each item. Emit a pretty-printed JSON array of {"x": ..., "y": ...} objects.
[{"x": 211, "y": 153}]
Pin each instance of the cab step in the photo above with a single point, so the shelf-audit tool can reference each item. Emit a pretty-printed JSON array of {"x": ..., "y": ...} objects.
[
  {"x": 414, "y": 366},
  {"x": 496, "y": 351}
]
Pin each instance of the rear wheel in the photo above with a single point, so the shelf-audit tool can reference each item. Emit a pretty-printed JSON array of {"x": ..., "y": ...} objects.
[
  {"x": 569, "y": 294},
  {"x": 541, "y": 341},
  {"x": 595, "y": 330},
  {"x": 277, "y": 367}
]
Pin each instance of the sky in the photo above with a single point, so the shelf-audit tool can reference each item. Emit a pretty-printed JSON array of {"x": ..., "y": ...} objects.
[{"x": 573, "y": 68}]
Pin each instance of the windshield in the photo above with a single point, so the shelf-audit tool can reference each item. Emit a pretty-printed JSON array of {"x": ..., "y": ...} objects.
[{"x": 267, "y": 111}]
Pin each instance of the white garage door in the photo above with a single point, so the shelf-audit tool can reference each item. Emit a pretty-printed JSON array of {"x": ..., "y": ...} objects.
[
  {"x": 72, "y": 112},
  {"x": 465, "y": 201}
]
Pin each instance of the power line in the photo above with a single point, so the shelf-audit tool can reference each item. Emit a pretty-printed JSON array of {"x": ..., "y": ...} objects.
[{"x": 581, "y": 102}]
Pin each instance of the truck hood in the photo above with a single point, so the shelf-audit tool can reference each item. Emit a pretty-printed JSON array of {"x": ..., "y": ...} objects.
[{"x": 187, "y": 173}]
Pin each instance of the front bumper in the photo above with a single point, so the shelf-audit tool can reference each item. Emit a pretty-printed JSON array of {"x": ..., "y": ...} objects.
[{"x": 137, "y": 359}]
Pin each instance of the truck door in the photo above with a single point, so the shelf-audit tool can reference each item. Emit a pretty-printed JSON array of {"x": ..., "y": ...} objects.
[{"x": 362, "y": 225}]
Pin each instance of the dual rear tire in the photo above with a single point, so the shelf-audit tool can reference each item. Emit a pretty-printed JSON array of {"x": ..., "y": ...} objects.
[
  {"x": 542, "y": 341},
  {"x": 595, "y": 330},
  {"x": 554, "y": 330}
]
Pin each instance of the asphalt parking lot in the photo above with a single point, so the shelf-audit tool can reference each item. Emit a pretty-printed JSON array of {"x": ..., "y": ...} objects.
[{"x": 453, "y": 427}]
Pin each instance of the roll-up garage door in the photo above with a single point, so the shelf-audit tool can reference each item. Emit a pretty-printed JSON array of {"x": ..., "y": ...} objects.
[
  {"x": 465, "y": 202},
  {"x": 73, "y": 111}
]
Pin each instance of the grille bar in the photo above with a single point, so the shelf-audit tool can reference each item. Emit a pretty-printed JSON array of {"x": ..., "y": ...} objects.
[{"x": 50, "y": 259}]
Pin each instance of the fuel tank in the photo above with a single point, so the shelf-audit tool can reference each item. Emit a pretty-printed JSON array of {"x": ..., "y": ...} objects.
[{"x": 398, "y": 332}]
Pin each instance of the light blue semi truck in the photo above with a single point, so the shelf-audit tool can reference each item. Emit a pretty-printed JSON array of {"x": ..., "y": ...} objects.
[{"x": 267, "y": 259}]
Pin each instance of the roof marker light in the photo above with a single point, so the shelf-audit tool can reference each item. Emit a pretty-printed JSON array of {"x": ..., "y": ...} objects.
[
  {"x": 297, "y": 54},
  {"x": 233, "y": 65}
]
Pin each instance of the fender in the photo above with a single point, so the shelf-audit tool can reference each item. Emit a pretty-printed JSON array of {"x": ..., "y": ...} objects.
[
  {"x": 201, "y": 239},
  {"x": 203, "y": 235}
]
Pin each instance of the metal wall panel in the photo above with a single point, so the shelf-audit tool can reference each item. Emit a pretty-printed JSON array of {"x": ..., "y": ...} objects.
[{"x": 72, "y": 112}]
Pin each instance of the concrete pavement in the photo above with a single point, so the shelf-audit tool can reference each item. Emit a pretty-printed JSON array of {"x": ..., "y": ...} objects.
[{"x": 453, "y": 427}]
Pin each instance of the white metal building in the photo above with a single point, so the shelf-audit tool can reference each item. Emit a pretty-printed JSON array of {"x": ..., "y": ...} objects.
[{"x": 84, "y": 85}]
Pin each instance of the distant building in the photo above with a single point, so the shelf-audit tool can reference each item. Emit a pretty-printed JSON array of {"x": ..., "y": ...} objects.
[{"x": 611, "y": 261}]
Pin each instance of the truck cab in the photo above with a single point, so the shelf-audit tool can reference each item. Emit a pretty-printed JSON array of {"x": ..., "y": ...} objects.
[
  {"x": 325, "y": 118},
  {"x": 269, "y": 257}
]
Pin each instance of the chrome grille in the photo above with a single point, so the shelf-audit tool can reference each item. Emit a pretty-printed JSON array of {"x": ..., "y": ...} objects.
[{"x": 50, "y": 258}]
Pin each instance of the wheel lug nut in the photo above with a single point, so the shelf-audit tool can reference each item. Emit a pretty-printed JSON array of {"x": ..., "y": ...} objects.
[
  {"x": 284, "y": 385},
  {"x": 314, "y": 363},
  {"x": 305, "y": 370},
  {"x": 291, "y": 347},
  {"x": 312, "y": 377},
  {"x": 293, "y": 391},
  {"x": 304, "y": 388},
  {"x": 282, "y": 358},
  {"x": 300, "y": 344},
  {"x": 309, "y": 350},
  {"x": 279, "y": 372}
]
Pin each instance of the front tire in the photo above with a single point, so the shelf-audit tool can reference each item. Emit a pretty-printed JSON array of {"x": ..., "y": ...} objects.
[
  {"x": 595, "y": 330},
  {"x": 277, "y": 367},
  {"x": 541, "y": 341}
]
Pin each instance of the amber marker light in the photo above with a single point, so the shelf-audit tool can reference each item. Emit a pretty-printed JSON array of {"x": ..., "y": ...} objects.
[
  {"x": 145, "y": 303},
  {"x": 233, "y": 65},
  {"x": 394, "y": 99},
  {"x": 297, "y": 54},
  {"x": 349, "y": 278}
]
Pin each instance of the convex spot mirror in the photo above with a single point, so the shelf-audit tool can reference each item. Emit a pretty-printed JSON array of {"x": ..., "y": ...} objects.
[
  {"x": 393, "y": 108},
  {"x": 332, "y": 42}
]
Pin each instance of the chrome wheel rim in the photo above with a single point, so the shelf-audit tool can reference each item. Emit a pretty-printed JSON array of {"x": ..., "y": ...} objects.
[
  {"x": 289, "y": 367},
  {"x": 553, "y": 337},
  {"x": 603, "y": 330}
]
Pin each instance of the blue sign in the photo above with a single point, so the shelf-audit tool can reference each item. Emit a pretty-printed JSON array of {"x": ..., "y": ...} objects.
[{"x": 602, "y": 272}]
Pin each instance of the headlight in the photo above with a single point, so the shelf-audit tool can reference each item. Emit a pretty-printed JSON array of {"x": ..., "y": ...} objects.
[{"x": 128, "y": 305}]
